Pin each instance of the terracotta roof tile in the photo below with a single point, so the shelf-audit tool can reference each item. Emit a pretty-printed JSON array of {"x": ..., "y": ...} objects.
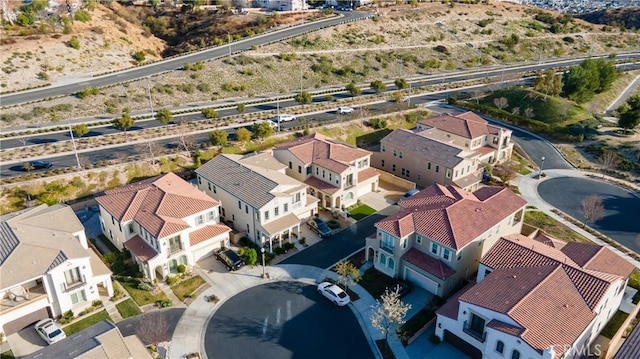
[
  {"x": 140, "y": 248},
  {"x": 367, "y": 173},
  {"x": 428, "y": 264},
  {"x": 468, "y": 124},
  {"x": 158, "y": 204},
  {"x": 505, "y": 327},
  {"x": 207, "y": 232},
  {"x": 324, "y": 152},
  {"x": 452, "y": 216},
  {"x": 450, "y": 308},
  {"x": 321, "y": 185},
  {"x": 598, "y": 258}
]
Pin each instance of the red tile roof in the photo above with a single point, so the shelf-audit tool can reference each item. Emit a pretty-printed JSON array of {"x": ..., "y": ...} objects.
[
  {"x": 321, "y": 185},
  {"x": 324, "y": 152},
  {"x": 450, "y": 308},
  {"x": 450, "y": 215},
  {"x": 367, "y": 173},
  {"x": 428, "y": 264},
  {"x": 140, "y": 248},
  {"x": 467, "y": 125},
  {"x": 505, "y": 327},
  {"x": 598, "y": 259},
  {"x": 207, "y": 232},
  {"x": 158, "y": 204}
]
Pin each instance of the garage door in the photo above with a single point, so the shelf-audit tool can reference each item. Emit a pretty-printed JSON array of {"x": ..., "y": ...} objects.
[
  {"x": 27, "y": 320},
  {"x": 420, "y": 280}
]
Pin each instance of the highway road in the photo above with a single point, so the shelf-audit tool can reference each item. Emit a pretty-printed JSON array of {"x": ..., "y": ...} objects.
[{"x": 175, "y": 62}]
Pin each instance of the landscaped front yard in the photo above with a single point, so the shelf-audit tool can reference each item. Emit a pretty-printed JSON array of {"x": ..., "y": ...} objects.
[
  {"x": 361, "y": 212},
  {"x": 554, "y": 228},
  {"x": 87, "y": 322},
  {"x": 128, "y": 308},
  {"x": 375, "y": 282},
  {"x": 185, "y": 288},
  {"x": 142, "y": 297}
]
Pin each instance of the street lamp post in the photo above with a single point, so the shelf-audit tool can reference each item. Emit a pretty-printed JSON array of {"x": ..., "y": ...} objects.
[
  {"x": 263, "y": 265},
  {"x": 229, "y": 41},
  {"x": 541, "y": 165},
  {"x": 73, "y": 144},
  {"x": 150, "y": 100}
]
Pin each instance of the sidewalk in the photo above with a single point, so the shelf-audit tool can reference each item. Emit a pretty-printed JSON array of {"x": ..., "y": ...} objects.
[
  {"x": 528, "y": 189},
  {"x": 187, "y": 337}
]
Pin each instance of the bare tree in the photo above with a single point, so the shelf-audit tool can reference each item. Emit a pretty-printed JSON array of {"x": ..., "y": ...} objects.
[
  {"x": 515, "y": 111},
  {"x": 501, "y": 102},
  {"x": 150, "y": 147},
  {"x": 389, "y": 312},
  {"x": 528, "y": 112},
  {"x": 506, "y": 172},
  {"x": 23, "y": 140},
  {"x": 609, "y": 161},
  {"x": 186, "y": 141},
  {"x": 348, "y": 274},
  {"x": 153, "y": 329},
  {"x": 592, "y": 209}
]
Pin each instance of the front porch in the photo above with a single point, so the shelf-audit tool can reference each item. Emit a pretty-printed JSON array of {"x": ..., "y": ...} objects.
[{"x": 285, "y": 229}]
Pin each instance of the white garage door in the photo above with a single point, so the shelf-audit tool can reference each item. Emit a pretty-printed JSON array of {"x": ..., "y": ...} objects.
[
  {"x": 420, "y": 280},
  {"x": 205, "y": 251}
]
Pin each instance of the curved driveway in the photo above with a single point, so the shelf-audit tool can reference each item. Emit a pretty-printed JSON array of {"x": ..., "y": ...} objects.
[
  {"x": 620, "y": 221},
  {"x": 282, "y": 320}
]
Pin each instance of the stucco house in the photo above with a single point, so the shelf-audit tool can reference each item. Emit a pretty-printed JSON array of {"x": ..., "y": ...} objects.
[
  {"x": 258, "y": 197},
  {"x": 336, "y": 173},
  {"x": 536, "y": 297},
  {"x": 417, "y": 157},
  {"x": 46, "y": 267},
  {"x": 471, "y": 132},
  {"x": 164, "y": 222},
  {"x": 438, "y": 238},
  {"x": 282, "y": 5}
]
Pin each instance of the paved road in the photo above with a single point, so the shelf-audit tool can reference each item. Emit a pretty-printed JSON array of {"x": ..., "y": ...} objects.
[
  {"x": 155, "y": 326},
  {"x": 624, "y": 96},
  {"x": 620, "y": 221},
  {"x": 284, "y": 320},
  {"x": 331, "y": 250},
  {"x": 175, "y": 63}
]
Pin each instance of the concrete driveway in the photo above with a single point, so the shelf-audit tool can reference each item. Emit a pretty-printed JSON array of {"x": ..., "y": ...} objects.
[
  {"x": 386, "y": 196},
  {"x": 25, "y": 342}
]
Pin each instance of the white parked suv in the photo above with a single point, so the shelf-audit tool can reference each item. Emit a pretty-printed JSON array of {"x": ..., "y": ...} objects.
[
  {"x": 283, "y": 118},
  {"x": 345, "y": 110}
]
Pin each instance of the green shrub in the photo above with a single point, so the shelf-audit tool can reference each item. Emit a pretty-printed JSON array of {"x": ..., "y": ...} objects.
[
  {"x": 81, "y": 15},
  {"x": 138, "y": 56},
  {"x": 279, "y": 250},
  {"x": 288, "y": 246},
  {"x": 172, "y": 279},
  {"x": 97, "y": 303},
  {"x": 145, "y": 286},
  {"x": 182, "y": 268},
  {"x": 74, "y": 43},
  {"x": 164, "y": 303},
  {"x": 250, "y": 255},
  {"x": 378, "y": 123},
  {"x": 333, "y": 224}
]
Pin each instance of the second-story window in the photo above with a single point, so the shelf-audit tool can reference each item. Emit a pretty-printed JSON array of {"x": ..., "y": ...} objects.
[
  {"x": 448, "y": 175},
  {"x": 239, "y": 205},
  {"x": 404, "y": 243},
  {"x": 175, "y": 244},
  {"x": 383, "y": 149},
  {"x": 418, "y": 239},
  {"x": 322, "y": 173},
  {"x": 446, "y": 254},
  {"x": 285, "y": 208},
  {"x": 295, "y": 198},
  {"x": 434, "y": 248},
  {"x": 210, "y": 216},
  {"x": 330, "y": 176},
  {"x": 290, "y": 165},
  {"x": 429, "y": 165},
  {"x": 393, "y": 168},
  {"x": 401, "y": 154},
  {"x": 246, "y": 209},
  {"x": 437, "y": 169},
  {"x": 299, "y": 169},
  {"x": 266, "y": 215},
  {"x": 382, "y": 163},
  {"x": 309, "y": 170},
  {"x": 395, "y": 153},
  {"x": 73, "y": 276},
  {"x": 130, "y": 228},
  {"x": 276, "y": 212},
  {"x": 388, "y": 241},
  {"x": 199, "y": 220}
]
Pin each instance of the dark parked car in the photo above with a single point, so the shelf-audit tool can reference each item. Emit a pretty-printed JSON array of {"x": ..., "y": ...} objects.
[
  {"x": 229, "y": 258},
  {"x": 37, "y": 165},
  {"x": 320, "y": 227},
  {"x": 401, "y": 286}
]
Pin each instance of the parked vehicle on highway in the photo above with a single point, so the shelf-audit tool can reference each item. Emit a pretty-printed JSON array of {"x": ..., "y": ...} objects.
[
  {"x": 229, "y": 258},
  {"x": 343, "y": 110},
  {"x": 320, "y": 227},
  {"x": 334, "y": 293},
  {"x": 283, "y": 118},
  {"x": 37, "y": 165},
  {"x": 49, "y": 331}
]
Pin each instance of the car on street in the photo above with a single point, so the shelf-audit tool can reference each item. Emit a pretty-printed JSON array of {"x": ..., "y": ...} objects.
[
  {"x": 320, "y": 227},
  {"x": 334, "y": 293},
  {"x": 36, "y": 165},
  {"x": 409, "y": 194},
  {"x": 343, "y": 110},
  {"x": 49, "y": 331},
  {"x": 229, "y": 258},
  {"x": 283, "y": 118},
  {"x": 400, "y": 286}
]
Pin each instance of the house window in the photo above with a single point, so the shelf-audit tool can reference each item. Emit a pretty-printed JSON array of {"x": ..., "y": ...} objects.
[
  {"x": 402, "y": 171},
  {"x": 299, "y": 169},
  {"x": 365, "y": 163},
  {"x": 392, "y": 263},
  {"x": 515, "y": 354},
  {"x": 209, "y": 185},
  {"x": 246, "y": 209},
  {"x": 383, "y": 259},
  {"x": 475, "y": 327},
  {"x": 290, "y": 165},
  {"x": 500, "y": 346},
  {"x": 418, "y": 239},
  {"x": 395, "y": 153},
  {"x": 199, "y": 180},
  {"x": 429, "y": 166},
  {"x": 317, "y": 171},
  {"x": 393, "y": 168},
  {"x": 330, "y": 176},
  {"x": 434, "y": 248},
  {"x": 309, "y": 169},
  {"x": 72, "y": 276},
  {"x": 199, "y": 220},
  {"x": 285, "y": 208},
  {"x": 266, "y": 215},
  {"x": 382, "y": 163},
  {"x": 210, "y": 216},
  {"x": 418, "y": 177},
  {"x": 446, "y": 254},
  {"x": 175, "y": 244},
  {"x": 448, "y": 175},
  {"x": 79, "y": 296},
  {"x": 437, "y": 169},
  {"x": 276, "y": 212},
  {"x": 120, "y": 226},
  {"x": 215, "y": 190},
  {"x": 408, "y": 173},
  {"x": 296, "y": 198},
  {"x": 239, "y": 205},
  {"x": 113, "y": 221},
  {"x": 383, "y": 149},
  {"x": 323, "y": 173},
  {"x": 404, "y": 243},
  {"x": 388, "y": 241},
  {"x": 130, "y": 228},
  {"x": 400, "y": 154}
]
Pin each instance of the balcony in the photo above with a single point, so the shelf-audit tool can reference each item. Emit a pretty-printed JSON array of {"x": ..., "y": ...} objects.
[
  {"x": 479, "y": 335},
  {"x": 385, "y": 247},
  {"x": 70, "y": 286},
  {"x": 34, "y": 295}
]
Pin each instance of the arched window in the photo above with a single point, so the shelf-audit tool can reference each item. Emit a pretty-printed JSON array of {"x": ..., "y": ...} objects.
[
  {"x": 500, "y": 346},
  {"x": 383, "y": 259},
  {"x": 515, "y": 354},
  {"x": 392, "y": 263}
]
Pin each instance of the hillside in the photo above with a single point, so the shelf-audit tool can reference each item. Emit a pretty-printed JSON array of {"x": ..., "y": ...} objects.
[
  {"x": 628, "y": 17},
  {"x": 401, "y": 41}
]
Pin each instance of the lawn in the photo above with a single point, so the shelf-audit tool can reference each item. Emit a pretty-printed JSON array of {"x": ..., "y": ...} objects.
[
  {"x": 375, "y": 282},
  {"x": 128, "y": 308},
  {"x": 187, "y": 287},
  {"x": 361, "y": 212},
  {"x": 7, "y": 355},
  {"x": 552, "y": 227},
  {"x": 142, "y": 297},
  {"x": 87, "y": 322},
  {"x": 614, "y": 324}
]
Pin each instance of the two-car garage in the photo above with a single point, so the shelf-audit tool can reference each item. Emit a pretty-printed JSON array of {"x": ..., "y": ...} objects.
[
  {"x": 420, "y": 280},
  {"x": 16, "y": 325}
]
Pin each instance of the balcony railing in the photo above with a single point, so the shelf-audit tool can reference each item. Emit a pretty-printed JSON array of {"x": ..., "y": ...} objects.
[
  {"x": 35, "y": 294},
  {"x": 385, "y": 247},
  {"x": 481, "y": 337}
]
